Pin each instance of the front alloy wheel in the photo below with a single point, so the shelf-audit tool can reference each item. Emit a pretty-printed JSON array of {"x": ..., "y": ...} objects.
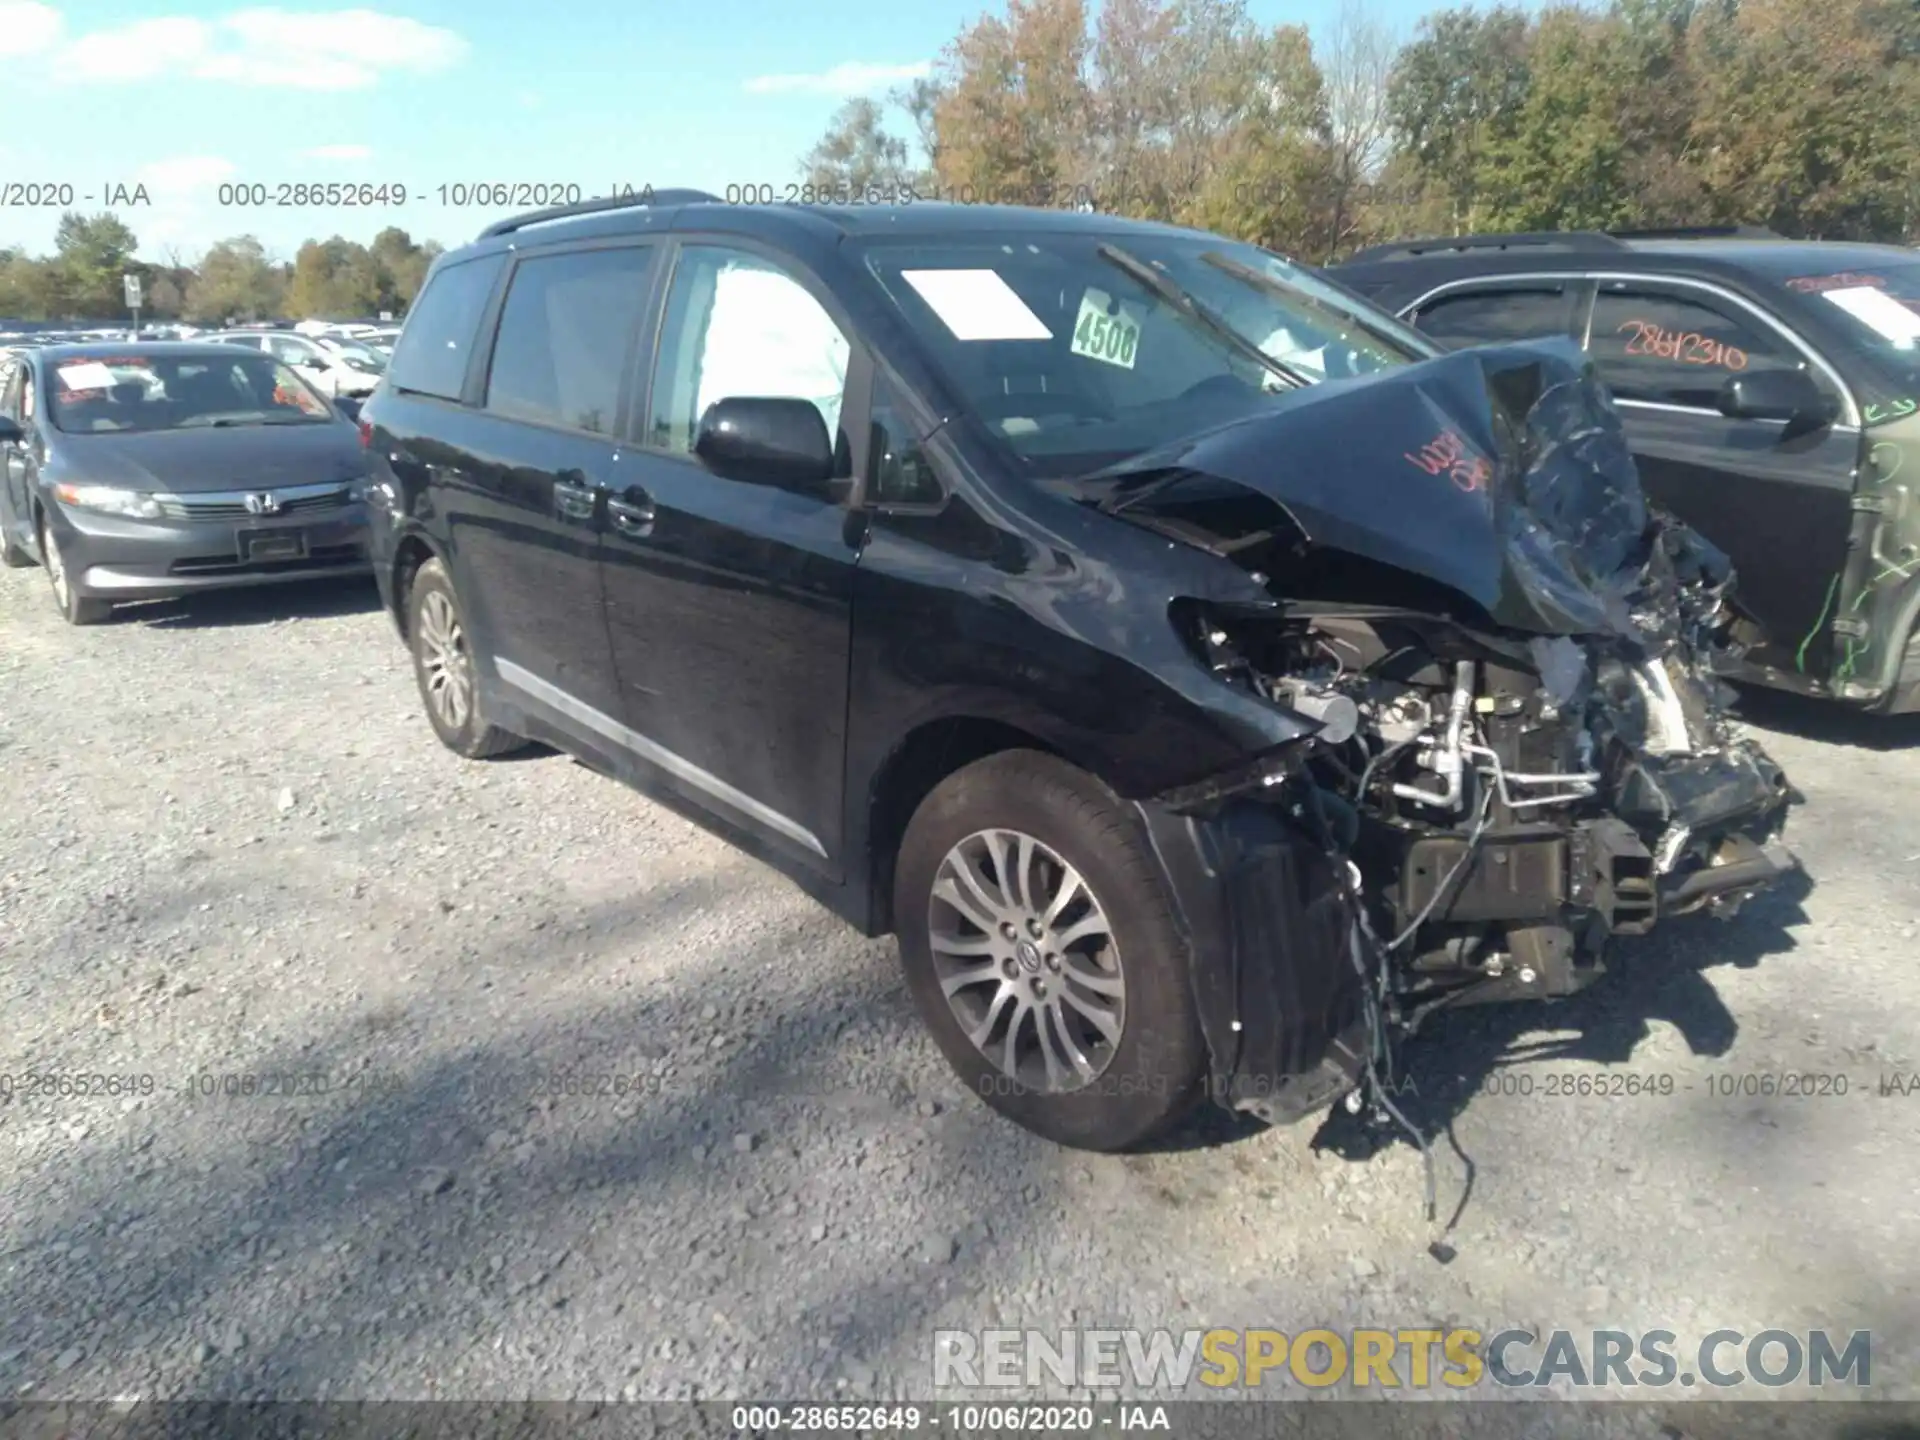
[
  {"x": 1027, "y": 960},
  {"x": 75, "y": 608},
  {"x": 1041, "y": 948}
]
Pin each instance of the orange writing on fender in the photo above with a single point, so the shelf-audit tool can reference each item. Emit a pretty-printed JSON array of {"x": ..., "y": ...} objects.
[{"x": 1447, "y": 454}]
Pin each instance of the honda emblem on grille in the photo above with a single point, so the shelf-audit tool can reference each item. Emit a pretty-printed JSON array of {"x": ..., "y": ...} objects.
[{"x": 265, "y": 503}]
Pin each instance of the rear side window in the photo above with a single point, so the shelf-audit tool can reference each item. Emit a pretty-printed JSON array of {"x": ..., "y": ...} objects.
[
  {"x": 437, "y": 340},
  {"x": 1492, "y": 317},
  {"x": 565, "y": 333}
]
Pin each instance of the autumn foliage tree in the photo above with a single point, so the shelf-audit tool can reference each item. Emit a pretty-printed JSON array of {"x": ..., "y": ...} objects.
[{"x": 1802, "y": 115}]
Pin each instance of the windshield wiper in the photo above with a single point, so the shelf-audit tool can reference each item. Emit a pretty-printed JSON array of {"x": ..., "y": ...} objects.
[
  {"x": 1115, "y": 503},
  {"x": 1274, "y": 285},
  {"x": 1180, "y": 300}
]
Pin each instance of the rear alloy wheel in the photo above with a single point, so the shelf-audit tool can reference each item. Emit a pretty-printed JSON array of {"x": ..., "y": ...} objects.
[
  {"x": 75, "y": 608},
  {"x": 1041, "y": 950},
  {"x": 443, "y": 666}
]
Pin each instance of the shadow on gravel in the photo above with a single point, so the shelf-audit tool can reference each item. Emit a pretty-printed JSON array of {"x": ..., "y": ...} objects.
[
  {"x": 380, "y": 1240},
  {"x": 1827, "y": 722},
  {"x": 261, "y": 605},
  {"x": 1661, "y": 977},
  {"x": 462, "y": 1232}
]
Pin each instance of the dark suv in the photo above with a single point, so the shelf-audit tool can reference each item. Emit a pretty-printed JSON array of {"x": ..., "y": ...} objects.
[
  {"x": 1201, "y": 674},
  {"x": 1770, "y": 390}
]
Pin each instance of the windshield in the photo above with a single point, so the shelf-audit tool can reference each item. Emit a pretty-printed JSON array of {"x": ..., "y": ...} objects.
[
  {"x": 1879, "y": 307},
  {"x": 1074, "y": 354},
  {"x": 179, "y": 392}
]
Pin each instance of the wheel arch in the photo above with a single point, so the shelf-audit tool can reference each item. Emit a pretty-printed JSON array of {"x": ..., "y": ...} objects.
[
  {"x": 411, "y": 552},
  {"x": 926, "y": 756}
]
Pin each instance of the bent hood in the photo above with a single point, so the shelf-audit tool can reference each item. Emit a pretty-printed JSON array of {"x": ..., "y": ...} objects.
[{"x": 1499, "y": 473}]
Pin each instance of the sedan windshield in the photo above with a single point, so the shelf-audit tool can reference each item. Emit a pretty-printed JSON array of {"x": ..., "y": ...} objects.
[
  {"x": 361, "y": 357},
  {"x": 1079, "y": 348},
  {"x": 179, "y": 392}
]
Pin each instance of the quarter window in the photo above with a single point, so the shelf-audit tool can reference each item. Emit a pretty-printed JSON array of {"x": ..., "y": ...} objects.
[
  {"x": 740, "y": 326},
  {"x": 898, "y": 471},
  {"x": 431, "y": 355},
  {"x": 565, "y": 333},
  {"x": 1648, "y": 345}
]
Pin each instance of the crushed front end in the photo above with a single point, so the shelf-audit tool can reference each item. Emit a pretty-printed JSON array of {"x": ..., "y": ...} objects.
[{"x": 1520, "y": 750}]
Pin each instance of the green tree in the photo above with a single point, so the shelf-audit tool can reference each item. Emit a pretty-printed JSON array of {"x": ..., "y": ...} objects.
[
  {"x": 858, "y": 153},
  {"x": 1808, "y": 118},
  {"x": 235, "y": 281},
  {"x": 334, "y": 277},
  {"x": 1456, "y": 92},
  {"x": 1559, "y": 162},
  {"x": 91, "y": 255},
  {"x": 1015, "y": 109},
  {"x": 400, "y": 267}
]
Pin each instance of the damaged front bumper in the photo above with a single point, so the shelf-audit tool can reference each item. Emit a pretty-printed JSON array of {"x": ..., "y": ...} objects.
[
  {"x": 1281, "y": 1003},
  {"x": 1280, "y": 983}
]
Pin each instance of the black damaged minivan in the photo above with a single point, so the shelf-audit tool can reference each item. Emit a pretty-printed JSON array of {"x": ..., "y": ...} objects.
[{"x": 1203, "y": 676}]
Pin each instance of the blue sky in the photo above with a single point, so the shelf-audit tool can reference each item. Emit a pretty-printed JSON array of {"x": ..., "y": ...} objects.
[{"x": 181, "y": 96}]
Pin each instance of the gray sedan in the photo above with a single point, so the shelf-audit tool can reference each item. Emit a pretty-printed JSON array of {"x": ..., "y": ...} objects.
[{"x": 142, "y": 472}]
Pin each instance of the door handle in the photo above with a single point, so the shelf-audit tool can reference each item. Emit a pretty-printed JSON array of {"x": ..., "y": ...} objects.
[
  {"x": 572, "y": 496},
  {"x": 632, "y": 513}
]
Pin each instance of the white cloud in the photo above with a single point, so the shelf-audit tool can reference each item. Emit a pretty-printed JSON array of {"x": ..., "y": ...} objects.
[
  {"x": 27, "y": 28},
  {"x": 135, "y": 52},
  {"x": 852, "y": 77},
  {"x": 337, "y": 152},
  {"x": 185, "y": 208},
  {"x": 317, "y": 50},
  {"x": 186, "y": 176}
]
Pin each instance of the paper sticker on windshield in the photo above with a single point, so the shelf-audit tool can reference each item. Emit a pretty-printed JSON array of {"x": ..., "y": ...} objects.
[
  {"x": 977, "y": 305},
  {"x": 86, "y": 375},
  {"x": 1106, "y": 332},
  {"x": 1880, "y": 310}
]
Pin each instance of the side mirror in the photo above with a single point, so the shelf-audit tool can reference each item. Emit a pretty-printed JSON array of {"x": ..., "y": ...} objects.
[
  {"x": 766, "y": 441},
  {"x": 10, "y": 431},
  {"x": 1788, "y": 395}
]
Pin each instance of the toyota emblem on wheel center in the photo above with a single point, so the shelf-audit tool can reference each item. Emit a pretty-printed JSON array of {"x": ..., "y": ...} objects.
[{"x": 265, "y": 503}]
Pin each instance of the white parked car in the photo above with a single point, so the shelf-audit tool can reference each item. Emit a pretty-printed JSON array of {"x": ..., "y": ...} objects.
[{"x": 335, "y": 366}]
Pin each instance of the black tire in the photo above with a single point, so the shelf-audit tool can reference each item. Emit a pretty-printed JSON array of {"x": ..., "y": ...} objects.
[
  {"x": 74, "y": 608},
  {"x": 12, "y": 557},
  {"x": 461, "y": 728},
  {"x": 1154, "y": 1073}
]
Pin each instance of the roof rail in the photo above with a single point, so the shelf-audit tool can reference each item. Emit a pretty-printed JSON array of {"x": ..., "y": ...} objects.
[
  {"x": 1518, "y": 240},
  {"x": 646, "y": 195},
  {"x": 1700, "y": 232}
]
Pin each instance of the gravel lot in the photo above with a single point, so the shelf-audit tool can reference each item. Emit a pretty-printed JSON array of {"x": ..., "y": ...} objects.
[{"x": 230, "y": 845}]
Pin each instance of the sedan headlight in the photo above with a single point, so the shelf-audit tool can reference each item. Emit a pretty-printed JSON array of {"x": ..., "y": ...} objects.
[{"x": 109, "y": 500}]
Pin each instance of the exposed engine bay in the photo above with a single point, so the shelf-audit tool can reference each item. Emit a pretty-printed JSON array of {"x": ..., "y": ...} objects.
[
  {"x": 1509, "y": 823},
  {"x": 1512, "y": 745}
]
